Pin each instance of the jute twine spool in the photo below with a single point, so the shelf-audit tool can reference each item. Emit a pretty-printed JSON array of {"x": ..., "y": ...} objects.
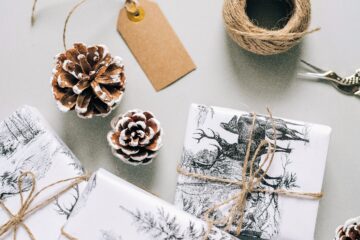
[{"x": 266, "y": 41}]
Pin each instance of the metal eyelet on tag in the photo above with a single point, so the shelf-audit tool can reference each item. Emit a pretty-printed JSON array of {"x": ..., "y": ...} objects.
[
  {"x": 138, "y": 16},
  {"x": 135, "y": 12}
]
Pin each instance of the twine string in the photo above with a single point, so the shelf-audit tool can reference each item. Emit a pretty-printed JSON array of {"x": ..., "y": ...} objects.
[
  {"x": 26, "y": 210},
  {"x": 249, "y": 184},
  {"x": 72, "y": 10},
  {"x": 131, "y": 7},
  {"x": 67, "y": 235},
  {"x": 33, "y": 12}
]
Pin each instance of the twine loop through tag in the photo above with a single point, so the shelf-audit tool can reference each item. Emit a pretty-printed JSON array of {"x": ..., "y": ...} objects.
[
  {"x": 135, "y": 13},
  {"x": 250, "y": 183},
  {"x": 26, "y": 210}
]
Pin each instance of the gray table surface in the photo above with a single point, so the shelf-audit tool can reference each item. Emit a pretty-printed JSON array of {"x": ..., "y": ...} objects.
[{"x": 226, "y": 76}]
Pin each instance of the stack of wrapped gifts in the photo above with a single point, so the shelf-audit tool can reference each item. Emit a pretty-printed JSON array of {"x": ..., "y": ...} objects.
[{"x": 36, "y": 166}]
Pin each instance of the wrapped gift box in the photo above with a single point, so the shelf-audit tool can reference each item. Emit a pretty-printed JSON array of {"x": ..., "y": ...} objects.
[
  {"x": 28, "y": 144},
  {"x": 215, "y": 145},
  {"x": 113, "y": 209}
]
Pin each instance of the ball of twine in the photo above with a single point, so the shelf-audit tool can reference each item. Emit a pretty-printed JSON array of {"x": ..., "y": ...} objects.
[{"x": 266, "y": 41}]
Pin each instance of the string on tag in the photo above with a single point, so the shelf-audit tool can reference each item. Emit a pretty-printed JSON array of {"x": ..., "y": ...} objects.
[
  {"x": 33, "y": 13},
  {"x": 135, "y": 13},
  {"x": 72, "y": 10}
]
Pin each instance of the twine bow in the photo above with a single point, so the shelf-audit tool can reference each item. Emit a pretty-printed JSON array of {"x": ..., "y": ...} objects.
[
  {"x": 250, "y": 183},
  {"x": 26, "y": 209}
]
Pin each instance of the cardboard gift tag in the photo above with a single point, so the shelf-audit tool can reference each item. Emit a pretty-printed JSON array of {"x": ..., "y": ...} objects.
[{"x": 154, "y": 44}]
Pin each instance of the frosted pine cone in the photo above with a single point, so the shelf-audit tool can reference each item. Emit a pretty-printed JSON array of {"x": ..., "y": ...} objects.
[
  {"x": 88, "y": 80},
  {"x": 135, "y": 137},
  {"x": 349, "y": 231}
]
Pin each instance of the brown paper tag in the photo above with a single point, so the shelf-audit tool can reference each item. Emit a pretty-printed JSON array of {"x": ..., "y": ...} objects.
[{"x": 155, "y": 45}]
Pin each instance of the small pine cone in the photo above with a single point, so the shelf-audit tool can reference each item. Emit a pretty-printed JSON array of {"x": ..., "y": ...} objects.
[
  {"x": 88, "y": 80},
  {"x": 349, "y": 231},
  {"x": 135, "y": 137}
]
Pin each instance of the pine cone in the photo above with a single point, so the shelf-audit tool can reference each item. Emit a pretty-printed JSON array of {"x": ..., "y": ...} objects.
[
  {"x": 135, "y": 137},
  {"x": 88, "y": 80},
  {"x": 349, "y": 231}
]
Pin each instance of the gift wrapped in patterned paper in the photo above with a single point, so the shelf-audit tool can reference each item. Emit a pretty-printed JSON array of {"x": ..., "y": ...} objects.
[
  {"x": 27, "y": 144},
  {"x": 112, "y": 209},
  {"x": 215, "y": 145}
]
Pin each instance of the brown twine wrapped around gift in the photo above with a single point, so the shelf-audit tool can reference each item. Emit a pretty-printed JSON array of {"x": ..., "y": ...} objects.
[
  {"x": 18, "y": 219},
  {"x": 67, "y": 235},
  {"x": 264, "y": 41},
  {"x": 248, "y": 185}
]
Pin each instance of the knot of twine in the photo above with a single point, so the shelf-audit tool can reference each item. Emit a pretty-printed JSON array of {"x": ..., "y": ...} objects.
[
  {"x": 264, "y": 41},
  {"x": 26, "y": 209},
  {"x": 249, "y": 184}
]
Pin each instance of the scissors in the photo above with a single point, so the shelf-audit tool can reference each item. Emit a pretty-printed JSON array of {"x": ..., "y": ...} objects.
[{"x": 348, "y": 85}]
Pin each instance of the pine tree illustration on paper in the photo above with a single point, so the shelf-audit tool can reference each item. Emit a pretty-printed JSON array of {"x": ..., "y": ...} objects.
[
  {"x": 28, "y": 145},
  {"x": 108, "y": 235},
  {"x": 203, "y": 113},
  {"x": 18, "y": 129},
  {"x": 161, "y": 225},
  {"x": 17, "y": 132}
]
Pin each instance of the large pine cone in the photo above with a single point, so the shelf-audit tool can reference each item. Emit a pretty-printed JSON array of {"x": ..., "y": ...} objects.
[
  {"x": 349, "y": 231},
  {"x": 135, "y": 137},
  {"x": 88, "y": 80}
]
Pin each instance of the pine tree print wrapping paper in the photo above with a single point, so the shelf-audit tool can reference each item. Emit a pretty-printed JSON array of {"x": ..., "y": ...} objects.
[
  {"x": 113, "y": 209},
  {"x": 27, "y": 143},
  {"x": 215, "y": 145}
]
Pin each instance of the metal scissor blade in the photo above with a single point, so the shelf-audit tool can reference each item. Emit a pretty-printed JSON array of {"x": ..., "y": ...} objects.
[
  {"x": 317, "y": 76},
  {"x": 310, "y": 75},
  {"x": 319, "y": 70}
]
